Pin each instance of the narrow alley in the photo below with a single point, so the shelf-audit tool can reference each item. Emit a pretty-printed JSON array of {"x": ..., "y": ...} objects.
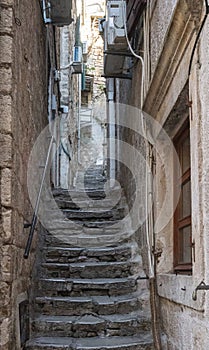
[{"x": 104, "y": 162}]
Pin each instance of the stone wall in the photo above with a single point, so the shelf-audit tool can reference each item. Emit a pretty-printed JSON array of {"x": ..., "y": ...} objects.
[
  {"x": 171, "y": 97},
  {"x": 23, "y": 110},
  {"x": 70, "y": 98},
  {"x": 91, "y": 12}
]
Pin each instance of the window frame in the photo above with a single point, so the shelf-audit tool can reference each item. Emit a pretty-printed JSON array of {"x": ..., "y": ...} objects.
[{"x": 180, "y": 223}]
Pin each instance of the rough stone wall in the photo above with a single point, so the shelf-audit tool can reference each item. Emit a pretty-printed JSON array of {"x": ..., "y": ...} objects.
[
  {"x": 95, "y": 60},
  {"x": 23, "y": 114},
  {"x": 90, "y": 34},
  {"x": 69, "y": 89},
  {"x": 188, "y": 326},
  {"x": 159, "y": 25},
  {"x": 173, "y": 31},
  {"x": 129, "y": 92},
  {"x": 185, "y": 321}
]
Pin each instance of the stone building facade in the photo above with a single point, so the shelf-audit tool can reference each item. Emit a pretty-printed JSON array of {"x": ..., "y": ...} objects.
[
  {"x": 91, "y": 13},
  {"x": 29, "y": 98},
  {"x": 70, "y": 103},
  {"x": 175, "y": 96},
  {"x": 23, "y": 110}
]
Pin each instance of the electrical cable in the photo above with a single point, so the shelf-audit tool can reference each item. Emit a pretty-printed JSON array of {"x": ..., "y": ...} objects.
[
  {"x": 198, "y": 36},
  {"x": 65, "y": 151},
  {"x": 133, "y": 52}
]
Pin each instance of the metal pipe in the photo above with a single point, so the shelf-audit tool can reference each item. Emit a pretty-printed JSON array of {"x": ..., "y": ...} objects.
[{"x": 48, "y": 7}]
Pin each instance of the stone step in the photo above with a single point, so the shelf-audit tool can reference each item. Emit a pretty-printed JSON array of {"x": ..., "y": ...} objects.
[
  {"x": 97, "y": 224},
  {"x": 102, "y": 254},
  {"x": 82, "y": 193},
  {"x": 78, "y": 203},
  {"x": 86, "y": 287},
  {"x": 99, "y": 305},
  {"x": 88, "y": 237},
  {"x": 89, "y": 215},
  {"x": 92, "y": 269},
  {"x": 91, "y": 325},
  {"x": 63, "y": 224},
  {"x": 97, "y": 343}
]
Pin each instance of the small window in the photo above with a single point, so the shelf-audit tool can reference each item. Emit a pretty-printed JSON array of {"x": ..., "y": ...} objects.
[{"x": 182, "y": 216}]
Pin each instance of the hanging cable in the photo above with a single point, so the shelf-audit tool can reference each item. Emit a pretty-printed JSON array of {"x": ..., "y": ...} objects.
[
  {"x": 198, "y": 36},
  {"x": 133, "y": 52},
  {"x": 65, "y": 151}
]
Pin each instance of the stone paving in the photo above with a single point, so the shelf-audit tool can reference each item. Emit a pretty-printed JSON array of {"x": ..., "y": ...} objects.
[{"x": 90, "y": 295}]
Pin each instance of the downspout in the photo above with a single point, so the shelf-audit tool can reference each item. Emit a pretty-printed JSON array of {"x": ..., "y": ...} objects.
[
  {"x": 111, "y": 129},
  {"x": 154, "y": 302}
]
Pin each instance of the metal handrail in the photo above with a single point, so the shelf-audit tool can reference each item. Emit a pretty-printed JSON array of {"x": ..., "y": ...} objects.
[{"x": 35, "y": 213}]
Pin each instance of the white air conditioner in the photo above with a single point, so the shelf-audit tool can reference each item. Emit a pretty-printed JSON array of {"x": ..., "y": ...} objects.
[
  {"x": 116, "y": 16},
  {"x": 77, "y": 63},
  {"x": 115, "y": 37}
]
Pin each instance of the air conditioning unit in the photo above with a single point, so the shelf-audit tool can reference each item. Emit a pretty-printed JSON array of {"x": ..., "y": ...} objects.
[
  {"x": 115, "y": 37},
  {"x": 77, "y": 63},
  {"x": 116, "y": 16},
  {"x": 57, "y": 12}
]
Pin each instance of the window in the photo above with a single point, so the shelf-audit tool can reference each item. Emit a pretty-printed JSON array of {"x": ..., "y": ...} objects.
[{"x": 182, "y": 216}]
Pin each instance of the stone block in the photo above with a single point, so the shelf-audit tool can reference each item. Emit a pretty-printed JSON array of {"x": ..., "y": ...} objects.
[
  {"x": 6, "y": 114},
  {"x": 5, "y": 325},
  {"x": 6, "y": 79},
  {"x": 6, "y": 20},
  {"x": 6, "y": 3},
  {"x": 6, "y": 224},
  {"x": 6, "y": 150},
  {"x": 6, "y": 192},
  {"x": 6, "y": 263},
  {"x": 6, "y": 44},
  {"x": 5, "y": 295}
]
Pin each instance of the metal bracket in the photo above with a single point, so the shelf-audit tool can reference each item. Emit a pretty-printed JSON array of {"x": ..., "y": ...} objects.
[{"x": 201, "y": 286}]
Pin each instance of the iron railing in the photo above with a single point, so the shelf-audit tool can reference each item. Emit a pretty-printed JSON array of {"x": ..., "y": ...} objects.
[{"x": 36, "y": 209}]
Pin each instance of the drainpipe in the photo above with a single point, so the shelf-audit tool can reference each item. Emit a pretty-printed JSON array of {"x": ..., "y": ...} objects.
[
  {"x": 79, "y": 118},
  {"x": 154, "y": 302},
  {"x": 117, "y": 113},
  {"x": 111, "y": 130}
]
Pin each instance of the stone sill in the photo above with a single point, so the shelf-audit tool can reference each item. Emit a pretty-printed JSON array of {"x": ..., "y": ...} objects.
[{"x": 179, "y": 289}]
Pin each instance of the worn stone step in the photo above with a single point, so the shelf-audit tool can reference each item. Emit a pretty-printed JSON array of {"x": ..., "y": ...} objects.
[
  {"x": 101, "y": 254},
  {"x": 82, "y": 193},
  {"x": 97, "y": 224},
  {"x": 100, "y": 305},
  {"x": 97, "y": 343},
  {"x": 88, "y": 237},
  {"x": 84, "y": 287},
  {"x": 91, "y": 325},
  {"x": 115, "y": 214},
  {"x": 92, "y": 269},
  {"x": 72, "y": 227},
  {"x": 78, "y": 203}
]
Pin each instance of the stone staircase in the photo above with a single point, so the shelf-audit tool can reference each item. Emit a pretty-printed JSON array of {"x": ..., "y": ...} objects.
[{"x": 90, "y": 291}]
